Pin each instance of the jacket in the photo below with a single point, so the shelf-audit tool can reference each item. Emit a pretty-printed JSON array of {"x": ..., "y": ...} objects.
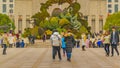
[
  {"x": 55, "y": 39},
  {"x": 116, "y": 37}
]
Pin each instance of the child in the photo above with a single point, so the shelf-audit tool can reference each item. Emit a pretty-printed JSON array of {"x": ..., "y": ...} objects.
[
  {"x": 22, "y": 44},
  {"x": 63, "y": 45},
  {"x": 99, "y": 43}
]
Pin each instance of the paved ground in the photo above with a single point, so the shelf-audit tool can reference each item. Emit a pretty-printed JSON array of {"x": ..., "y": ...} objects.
[{"x": 41, "y": 58}]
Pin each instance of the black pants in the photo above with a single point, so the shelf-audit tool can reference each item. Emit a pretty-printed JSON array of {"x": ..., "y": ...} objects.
[
  {"x": 4, "y": 49},
  {"x": 55, "y": 50},
  {"x": 10, "y": 45},
  {"x": 83, "y": 47},
  {"x": 114, "y": 46},
  {"x": 107, "y": 50}
]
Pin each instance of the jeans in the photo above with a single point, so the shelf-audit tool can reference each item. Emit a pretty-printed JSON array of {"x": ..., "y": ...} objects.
[
  {"x": 114, "y": 46},
  {"x": 68, "y": 55},
  {"x": 4, "y": 49},
  {"x": 107, "y": 49},
  {"x": 64, "y": 50}
]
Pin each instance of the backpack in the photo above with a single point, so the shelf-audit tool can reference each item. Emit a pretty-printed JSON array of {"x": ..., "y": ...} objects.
[{"x": 55, "y": 40}]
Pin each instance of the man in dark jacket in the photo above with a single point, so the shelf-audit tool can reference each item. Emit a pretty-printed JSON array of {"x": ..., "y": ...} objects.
[
  {"x": 114, "y": 40},
  {"x": 69, "y": 45}
]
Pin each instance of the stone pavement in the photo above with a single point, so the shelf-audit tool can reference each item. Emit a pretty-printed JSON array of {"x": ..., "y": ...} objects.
[{"x": 41, "y": 58}]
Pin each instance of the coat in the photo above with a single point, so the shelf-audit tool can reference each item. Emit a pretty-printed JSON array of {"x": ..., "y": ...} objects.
[
  {"x": 116, "y": 37},
  {"x": 70, "y": 42}
]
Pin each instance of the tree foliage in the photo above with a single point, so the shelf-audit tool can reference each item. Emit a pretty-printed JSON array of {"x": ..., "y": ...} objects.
[
  {"x": 6, "y": 24},
  {"x": 68, "y": 18},
  {"x": 112, "y": 20}
]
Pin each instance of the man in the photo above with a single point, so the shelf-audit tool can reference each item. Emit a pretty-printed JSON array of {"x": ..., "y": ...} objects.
[
  {"x": 114, "y": 40},
  {"x": 55, "y": 41}
]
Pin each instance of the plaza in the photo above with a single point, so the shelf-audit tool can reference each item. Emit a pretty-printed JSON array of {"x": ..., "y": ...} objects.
[{"x": 42, "y": 58}]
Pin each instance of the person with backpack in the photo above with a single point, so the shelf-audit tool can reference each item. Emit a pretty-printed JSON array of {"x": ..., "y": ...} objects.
[
  {"x": 22, "y": 44},
  {"x": 56, "y": 44}
]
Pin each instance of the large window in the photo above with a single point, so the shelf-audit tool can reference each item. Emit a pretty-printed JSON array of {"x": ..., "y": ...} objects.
[
  {"x": 11, "y": 0},
  {"x": 109, "y": 0},
  {"x": 109, "y": 11},
  {"x": 109, "y": 6},
  {"x": 100, "y": 23},
  {"x": 116, "y": 7},
  {"x": 11, "y": 5},
  {"x": 27, "y": 21},
  {"x": 11, "y": 11},
  {"x": 4, "y": 7},
  {"x": 116, "y": 0},
  {"x": 86, "y": 18},
  {"x": 20, "y": 24},
  {"x": 4, "y": 0},
  {"x": 93, "y": 23}
]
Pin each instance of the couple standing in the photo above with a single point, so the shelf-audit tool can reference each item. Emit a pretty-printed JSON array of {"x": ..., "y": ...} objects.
[
  {"x": 113, "y": 39},
  {"x": 66, "y": 41}
]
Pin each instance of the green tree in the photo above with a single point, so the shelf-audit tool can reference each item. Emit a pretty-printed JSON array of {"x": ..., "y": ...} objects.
[
  {"x": 6, "y": 24},
  {"x": 112, "y": 20}
]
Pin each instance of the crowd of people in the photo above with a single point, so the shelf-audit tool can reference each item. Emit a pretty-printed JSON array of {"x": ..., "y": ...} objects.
[
  {"x": 66, "y": 41},
  {"x": 8, "y": 40}
]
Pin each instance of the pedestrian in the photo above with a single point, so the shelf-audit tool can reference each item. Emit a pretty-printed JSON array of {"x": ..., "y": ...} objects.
[
  {"x": 106, "y": 41},
  {"x": 11, "y": 40},
  {"x": 1, "y": 40},
  {"x": 114, "y": 40},
  {"x": 99, "y": 43},
  {"x": 77, "y": 43},
  {"x": 33, "y": 39},
  {"x": 56, "y": 44},
  {"x": 5, "y": 43},
  {"x": 87, "y": 42},
  {"x": 70, "y": 42},
  {"x": 44, "y": 37},
  {"x": 83, "y": 41},
  {"x": 29, "y": 38},
  {"x": 63, "y": 44},
  {"x": 18, "y": 43},
  {"x": 22, "y": 44}
]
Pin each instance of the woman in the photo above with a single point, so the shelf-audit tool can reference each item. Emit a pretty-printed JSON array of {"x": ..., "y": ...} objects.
[
  {"x": 106, "y": 41},
  {"x": 63, "y": 44},
  {"x": 69, "y": 39}
]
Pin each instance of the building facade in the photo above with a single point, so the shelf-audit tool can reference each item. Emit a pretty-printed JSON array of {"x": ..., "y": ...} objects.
[
  {"x": 94, "y": 11},
  {"x": 113, "y": 6},
  {"x": 7, "y": 7}
]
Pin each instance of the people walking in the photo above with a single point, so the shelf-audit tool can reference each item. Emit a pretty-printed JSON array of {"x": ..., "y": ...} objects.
[
  {"x": 106, "y": 42},
  {"x": 70, "y": 42},
  {"x": 5, "y": 43},
  {"x": 11, "y": 40},
  {"x": 44, "y": 37},
  {"x": 114, "y": 40},
  {"x": 56, "y": 41},
  {"x": 63, "y": 44}
]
